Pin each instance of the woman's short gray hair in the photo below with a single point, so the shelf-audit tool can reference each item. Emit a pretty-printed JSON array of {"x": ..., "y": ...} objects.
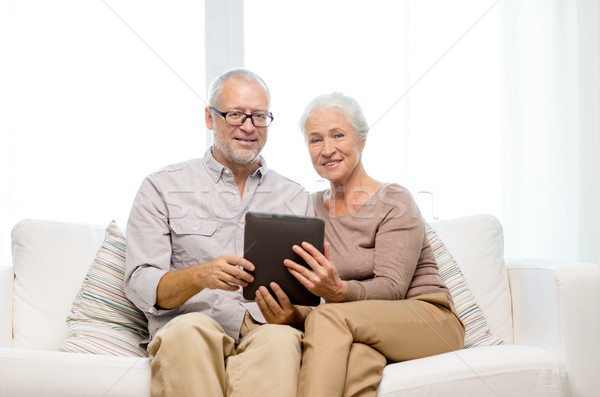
[
  {"x": 344, "y": 104},
  {"x": 216, "y": 88}
]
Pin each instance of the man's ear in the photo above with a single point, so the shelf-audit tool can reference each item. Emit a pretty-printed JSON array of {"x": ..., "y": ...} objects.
[{"x": 208, "y": 117}]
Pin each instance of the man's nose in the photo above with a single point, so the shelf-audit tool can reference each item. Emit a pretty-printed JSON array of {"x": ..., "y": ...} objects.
[{"x": 247, "y": 125}]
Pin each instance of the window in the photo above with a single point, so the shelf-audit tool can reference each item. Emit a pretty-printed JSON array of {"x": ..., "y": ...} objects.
[
  {"x": 101, "y": 94},
  {"x": 427, "y": 74}
]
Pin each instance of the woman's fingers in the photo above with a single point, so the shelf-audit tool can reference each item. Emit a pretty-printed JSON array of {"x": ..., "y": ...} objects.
[
  {"x": 313, "y": 251},
  {"x": 300, "y": 276},
  {"x": 308, "y": 257}
]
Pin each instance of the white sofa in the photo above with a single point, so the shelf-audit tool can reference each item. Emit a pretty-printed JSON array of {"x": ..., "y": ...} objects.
[{"x": 545, "y": 311}]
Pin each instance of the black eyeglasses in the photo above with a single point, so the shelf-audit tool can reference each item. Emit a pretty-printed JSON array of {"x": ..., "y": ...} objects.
[{"x": 259, "y": 119}]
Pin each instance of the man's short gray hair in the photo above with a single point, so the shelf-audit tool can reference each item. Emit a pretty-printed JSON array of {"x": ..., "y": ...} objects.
[
  {"x": 216, "y": 88},
  {"x": 344, "y": 104}
]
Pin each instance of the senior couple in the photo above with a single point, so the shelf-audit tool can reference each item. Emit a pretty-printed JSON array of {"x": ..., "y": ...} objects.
[{"x": 384, "y": 299}]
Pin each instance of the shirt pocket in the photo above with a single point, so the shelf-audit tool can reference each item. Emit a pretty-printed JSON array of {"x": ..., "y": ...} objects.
[{"x": 193, "y": 241}]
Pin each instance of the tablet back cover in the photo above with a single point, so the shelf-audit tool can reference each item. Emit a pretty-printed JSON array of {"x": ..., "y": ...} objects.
[{"x": 268, "y": 240}]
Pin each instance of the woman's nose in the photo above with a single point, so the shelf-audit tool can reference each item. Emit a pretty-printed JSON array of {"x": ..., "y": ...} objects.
[{"x": 328, "y": 147}]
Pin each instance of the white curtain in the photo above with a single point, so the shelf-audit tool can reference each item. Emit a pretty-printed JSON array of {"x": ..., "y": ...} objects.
[{"x": 551, "y": 128}]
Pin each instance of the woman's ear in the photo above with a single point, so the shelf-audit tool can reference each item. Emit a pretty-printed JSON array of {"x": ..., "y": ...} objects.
[{"x": 363, "y": 142}]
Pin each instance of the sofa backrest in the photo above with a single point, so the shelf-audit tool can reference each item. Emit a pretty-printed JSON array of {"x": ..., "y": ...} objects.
[
  {"x": 50, "y": 260},
  {"x": 477, "y": 244}
]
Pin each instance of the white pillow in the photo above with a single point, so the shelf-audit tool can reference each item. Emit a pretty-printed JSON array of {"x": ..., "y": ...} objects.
[
  {"x": 477, "y": 331},
  {"x": 102, "y": 320}
]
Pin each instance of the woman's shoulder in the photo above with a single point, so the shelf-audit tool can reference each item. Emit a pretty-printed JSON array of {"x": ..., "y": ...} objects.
[
  {"x": 394, "y": 192},
  {"x": 396, "y": 200}
]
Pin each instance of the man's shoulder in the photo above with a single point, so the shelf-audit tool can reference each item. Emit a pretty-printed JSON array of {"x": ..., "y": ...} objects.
[{"x": 180, "y": 167}]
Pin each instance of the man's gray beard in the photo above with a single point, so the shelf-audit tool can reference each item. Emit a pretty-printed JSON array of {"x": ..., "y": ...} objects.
[{"x": 234, "y": 156}]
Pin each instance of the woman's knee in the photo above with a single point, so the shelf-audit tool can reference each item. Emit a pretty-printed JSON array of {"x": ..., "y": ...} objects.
[{"x": 325, "y": 314}]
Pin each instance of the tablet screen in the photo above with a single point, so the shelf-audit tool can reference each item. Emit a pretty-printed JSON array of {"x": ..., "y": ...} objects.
[{"x": 268, "y": 240}]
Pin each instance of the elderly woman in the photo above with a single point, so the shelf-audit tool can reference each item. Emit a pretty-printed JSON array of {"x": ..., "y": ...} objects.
[{"x": 385, "y": 298}]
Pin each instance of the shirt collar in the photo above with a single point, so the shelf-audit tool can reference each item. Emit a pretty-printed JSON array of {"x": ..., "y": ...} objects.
[{"x": 216, "y": 169}]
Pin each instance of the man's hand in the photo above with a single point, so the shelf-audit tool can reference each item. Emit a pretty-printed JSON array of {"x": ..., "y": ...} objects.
[
  {"x": 227, "y": 272},
  {"x": 282, "y": 312}
]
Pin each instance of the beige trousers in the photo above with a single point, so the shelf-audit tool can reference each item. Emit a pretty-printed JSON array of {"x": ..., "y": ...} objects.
[
  {"x": 193, "y": 356},
  {"x": 347, "y": 345}
]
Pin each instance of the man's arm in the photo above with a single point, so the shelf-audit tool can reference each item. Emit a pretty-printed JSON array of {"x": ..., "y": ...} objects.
[
  {"x": 150, "y": 282},
  {"x": 226, "y": 273}
]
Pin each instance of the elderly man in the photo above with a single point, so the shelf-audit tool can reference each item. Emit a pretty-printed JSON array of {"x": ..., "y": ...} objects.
[{"x": 185, "y": 265}]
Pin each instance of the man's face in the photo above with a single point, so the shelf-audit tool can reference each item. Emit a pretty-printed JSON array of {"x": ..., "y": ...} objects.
[{"x": 236, "y": 146}]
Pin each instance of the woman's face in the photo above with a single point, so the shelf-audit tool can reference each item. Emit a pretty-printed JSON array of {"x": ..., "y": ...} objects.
[{"x": 333, "y": 144}]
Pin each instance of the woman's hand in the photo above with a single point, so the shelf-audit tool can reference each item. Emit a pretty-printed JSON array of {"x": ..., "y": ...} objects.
[
  {"x": 282, "y": 312},
  {"x": 323, "y": 280}
]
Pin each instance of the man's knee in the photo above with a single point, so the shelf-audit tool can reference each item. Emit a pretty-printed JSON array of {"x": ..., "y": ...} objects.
[
  {"x": 278, "y": 337},
  {"x": 189, "y": 328}
]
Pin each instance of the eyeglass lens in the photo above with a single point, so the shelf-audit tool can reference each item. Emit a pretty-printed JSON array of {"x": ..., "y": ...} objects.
[{"x": 258, "y": 119}]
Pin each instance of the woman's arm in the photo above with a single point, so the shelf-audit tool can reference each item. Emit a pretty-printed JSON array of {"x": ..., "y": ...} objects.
[
  {"x": 397, "y": 244},
  {"x": 398, "y": 247}
]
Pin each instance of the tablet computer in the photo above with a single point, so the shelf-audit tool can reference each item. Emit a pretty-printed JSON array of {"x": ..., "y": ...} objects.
[{"x": 268, "y": 240}]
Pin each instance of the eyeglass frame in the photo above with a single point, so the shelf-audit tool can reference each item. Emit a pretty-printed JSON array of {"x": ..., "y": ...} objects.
[{"x": 246, "y": 115}]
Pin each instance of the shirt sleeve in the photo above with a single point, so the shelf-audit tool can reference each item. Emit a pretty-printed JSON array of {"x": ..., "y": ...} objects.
[
  {"x": 148, "y": 246},
  {"x": 398, "y": 246}
]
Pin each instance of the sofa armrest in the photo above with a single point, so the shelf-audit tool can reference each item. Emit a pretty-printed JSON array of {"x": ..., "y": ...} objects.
[
  {"x": 6, "y": 293},
  {"x": 555, "y": 306}
]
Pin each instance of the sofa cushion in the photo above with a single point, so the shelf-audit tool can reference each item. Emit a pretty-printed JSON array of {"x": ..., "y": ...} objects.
[
  {"x": 49, "y": 261},
  {"x": 102, "y": 320},
  {"x": 6, "y": 305},
  {"x": 477, "y": 244},
  {"x": 508, "y": 370},
  {"x": 477, "y": 331},
  {"x": 27, "y": 373}
]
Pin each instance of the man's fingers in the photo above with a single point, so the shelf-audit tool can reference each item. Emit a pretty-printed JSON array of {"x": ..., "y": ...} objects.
[
  {"x": 230, "y": 279},
  {"x": 260, "y": 301},
  {"x": 236, "y": 267},
  {"x": 269, "y": 300},
  {"x": 219, "y": 284},
  {"x": 282, "y": 297},
  {"x": 240, "y": 274},
  {"x": 239, "y": 261}
]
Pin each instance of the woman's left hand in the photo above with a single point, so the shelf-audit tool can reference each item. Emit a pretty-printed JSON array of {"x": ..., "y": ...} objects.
[{"x": 323, "y": 280}]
